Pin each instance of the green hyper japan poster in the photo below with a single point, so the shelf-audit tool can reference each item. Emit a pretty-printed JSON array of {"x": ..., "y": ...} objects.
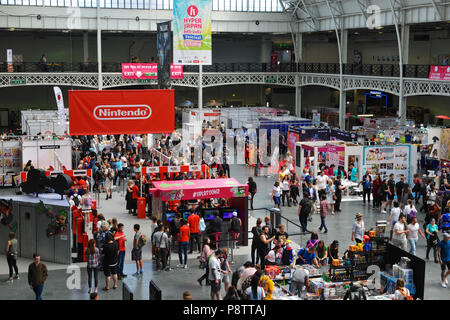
[{"x": 192, "y": 42}]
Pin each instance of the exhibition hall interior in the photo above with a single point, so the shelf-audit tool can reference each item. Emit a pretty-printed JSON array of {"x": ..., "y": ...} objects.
[{"x": 224, "y": 150}]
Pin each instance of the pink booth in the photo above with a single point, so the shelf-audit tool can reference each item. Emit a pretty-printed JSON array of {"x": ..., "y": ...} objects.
[{"x": 185, "y": 190}]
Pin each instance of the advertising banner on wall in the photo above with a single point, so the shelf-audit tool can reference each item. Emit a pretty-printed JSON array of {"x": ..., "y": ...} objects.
[
  {"x": 192, "y": 41},
  {"x": 139, "y": 70},
  {"x": 9, "y": 59},
  {"x": 387, "y": 160},
  {"x": 314, "y": 135},
  {"x": 93, "y": 112},
  {"x": 61, "y": 110},
  {"x": 439, "y": 73},
  {"x": 164, "y": 52},
  {"x": 176, "y": 71},
  {"x": 341, "y": 135}
]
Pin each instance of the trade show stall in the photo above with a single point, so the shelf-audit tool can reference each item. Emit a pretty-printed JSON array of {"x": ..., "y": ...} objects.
[
  {"x": 43, "y": 122},
  {"x": 42, "y": 224},
  {"x": 48, "y": 153},
  {"x": 185, "y": 190}
]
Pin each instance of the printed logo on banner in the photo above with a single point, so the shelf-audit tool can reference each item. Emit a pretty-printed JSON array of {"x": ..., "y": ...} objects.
[
  {"x": 123, "y": 112},
  {"x": 153, "y": 169},
  {"x": 174, "y": 169},
  {"x": 79, "y": 173},
  {"x": 195, "y": 168}
]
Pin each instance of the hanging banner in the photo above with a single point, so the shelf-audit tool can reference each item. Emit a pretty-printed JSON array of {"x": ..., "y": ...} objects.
[
  {"x": 164, "y": 47},
  {"x": 176, "y": 71},
  {"x": 61, "y": 111},
  {"x": 9, "y": 60},
  {"x": 139, "y": 71},
  {"x": 93, "y": 112},
  {"x": 439, "y": 73},
  {"x": 192, "y": 32}
]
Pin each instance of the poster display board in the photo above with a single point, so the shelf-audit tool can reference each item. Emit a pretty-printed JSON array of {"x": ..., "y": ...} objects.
[
  {"x": 10, "y": 162},
  {"x": 192, "y": 41},
  {"x": 385, "y": 160},
  {"x": 445, "y": 144},
  {"x": 121, "y": 111},
  {"x": 332, "y": 155}
]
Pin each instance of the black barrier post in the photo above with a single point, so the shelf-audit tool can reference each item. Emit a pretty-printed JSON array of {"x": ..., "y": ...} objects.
[
  {"x": 275, "y": 217},
  {"x": 154, "y": 291},
  {"x": 127, "y": 295}
]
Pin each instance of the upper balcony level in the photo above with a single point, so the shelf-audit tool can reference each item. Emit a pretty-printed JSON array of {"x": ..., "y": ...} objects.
[{"x": 376, "y": 70}]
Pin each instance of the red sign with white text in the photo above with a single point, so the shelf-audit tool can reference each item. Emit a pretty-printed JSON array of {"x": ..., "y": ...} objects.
[
  {"x": 93, "y": 112},
  {"x": 439, "y": 73},
  {"x": 139, "y": 70},
  {"x": 176, "y": 71}
]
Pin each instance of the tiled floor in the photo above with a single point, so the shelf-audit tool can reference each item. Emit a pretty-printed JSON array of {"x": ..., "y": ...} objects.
[{"x": 174, "y": 282}]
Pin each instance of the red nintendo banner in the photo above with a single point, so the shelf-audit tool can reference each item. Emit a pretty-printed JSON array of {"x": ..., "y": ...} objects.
[
  {"x": 94, "y": 112},
  {"x": 439, "y": 73}
]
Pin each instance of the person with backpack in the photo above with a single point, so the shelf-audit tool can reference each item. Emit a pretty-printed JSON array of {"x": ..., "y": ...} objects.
[
  {"x": 75, "y": 199},
  {"x": 161, "y": 244},
  {"x": 256, "y": 232},
  {"x": 235, "y": 226},
  {"x": 401, "y": 293},
  {"x": 367, "y": 187},
  {"x": 136, "y": 254},
  {"x": 206, "y": 252}
]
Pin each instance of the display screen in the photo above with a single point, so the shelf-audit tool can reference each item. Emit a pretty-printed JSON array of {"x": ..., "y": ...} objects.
[
  {"x": 209, "y": 214},
  {"x": 170, "y": 216},
  {"x": 227, "y": 213},
  {"x": 186, "y": 215}
]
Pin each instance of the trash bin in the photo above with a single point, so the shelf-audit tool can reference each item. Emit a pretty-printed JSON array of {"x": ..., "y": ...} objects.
[
  {"x": 141, "y": 208},
  {"x": 275, "y": 217}
]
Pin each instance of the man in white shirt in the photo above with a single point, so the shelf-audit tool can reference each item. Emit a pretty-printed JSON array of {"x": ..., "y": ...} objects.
[
  {"x": 322, "y": 181},
  {"x": 400, "y": 232},
  {"x": 215, "y": 274},
  {"x": 394, "y": 216}
]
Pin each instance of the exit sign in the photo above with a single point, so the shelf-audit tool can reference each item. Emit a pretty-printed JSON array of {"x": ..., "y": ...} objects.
[
  {"x": 144, "y": 80},
  {"x": 271, "y": 80},
  {"x": 18, "y": 81}
]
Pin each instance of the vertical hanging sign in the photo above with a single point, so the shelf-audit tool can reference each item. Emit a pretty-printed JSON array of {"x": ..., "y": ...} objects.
[
  {"x": 9, "y": 60},
  {"x": 61, "y": 111},
  {"x": 164, "y": 46},
  {"x": 192, "y": 32}
]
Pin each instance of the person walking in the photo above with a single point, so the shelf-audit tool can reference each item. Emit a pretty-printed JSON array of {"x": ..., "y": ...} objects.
[
  {"x": 367, "y": 187},
  {"x": 443, "y": 250},
  {"x": 304, "y": 209},
  {"x": 225, "y": 269},
  {"x": 206, "y": 252},
  {"x": 110, "y": 258},
  {"x": 400, "y": 232},
  {"x": 37, "y": 275},
  {"x": 93, "y": 257},
  {"x": 11, "y": 256},
  {"x": 183, "y": 244},
  {"x": 383, "y": 193},
  {"x": 413, "y": 235},
  {"x": 358, "y": 229},
  {"x": 324, "y": 210},
  {"x": 256, "y": 232},
  {"x": 161, "y": 242},
  {"x": 252, "y": 189},
  {"x": 193, "y": 221},
  {"x": 376, "y": 191},
  {"x": 330, "y": 192},
  {"x": 121, "y": 240},
  {"x": 215, "y": 275},
  {"x": 136, "y": 253},
  {"x": 432, "y": 239},
  {"x": 109, "y": 179},
  {"x": 285, "y": 186},
  {"x": 338, "y": 193},
  {"x": 295, "y": 184},
  {"x": 276, "y": 194}
]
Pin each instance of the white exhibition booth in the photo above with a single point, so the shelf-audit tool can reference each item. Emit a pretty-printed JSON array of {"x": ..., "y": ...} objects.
[
  {"x": 45, "y": 122},
  {"x": 46, "y": 153}
]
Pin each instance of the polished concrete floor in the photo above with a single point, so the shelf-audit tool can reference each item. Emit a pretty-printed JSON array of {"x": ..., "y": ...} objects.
[{"x": 174, "y": 283}]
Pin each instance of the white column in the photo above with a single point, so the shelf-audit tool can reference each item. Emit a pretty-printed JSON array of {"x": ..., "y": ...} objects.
[
  {"x": 99, "y": 48},
  {"x": 402, "y": 103},
  {"x": 85, "y": 46},
  {"x": 200, "y": 87},
  {"x": 298, "y": 97},
  {"x": 298, "y": 47},
  {"x": 342, "y": 94}
]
